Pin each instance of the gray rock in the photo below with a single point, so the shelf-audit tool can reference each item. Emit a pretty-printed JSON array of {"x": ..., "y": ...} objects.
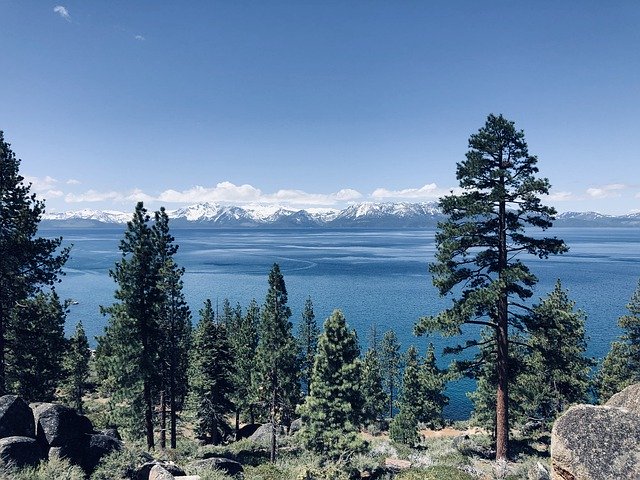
[
  {"x": 230, "y": 467},
  {"x": 20, "y": 451},
  {"x": 98, "y": 447},
  {"x": 16, "y": 418},
  {"x": 74, "y": 452},
  {"x": 628, "y": 398},
  {"x": 143, "y": 472},
  {"x": 159, "y": 473},
  {"x": 295, "y": 426},
  {"x": 59, "y": 425},
  {"x": 247, "y": 430},
  {"x": 262, "y": 436},
  {"x": 595, "y": 443}
]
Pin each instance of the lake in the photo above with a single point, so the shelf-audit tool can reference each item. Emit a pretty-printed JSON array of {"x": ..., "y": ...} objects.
[{"x": 374, "y": 277}]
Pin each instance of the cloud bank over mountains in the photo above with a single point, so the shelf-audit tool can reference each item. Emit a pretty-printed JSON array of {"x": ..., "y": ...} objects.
[{"x": 62, "y": 195}]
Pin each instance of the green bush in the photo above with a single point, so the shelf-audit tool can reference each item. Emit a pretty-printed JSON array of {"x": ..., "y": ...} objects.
[
  {"x": 55, "y": 468},
  {"x": 437, "y": 472},
  {"x": 118, "y": 465}
]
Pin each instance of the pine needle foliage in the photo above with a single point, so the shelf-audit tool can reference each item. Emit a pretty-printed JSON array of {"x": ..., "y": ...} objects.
[
  {"x": 211, "y": 370},
  {"x": 76, "y": 368},
  {"x": 479, "y": 247},
  {"x": 621, "y": 367},
  {"x": 332, "y": 412},
  {"x": 28, "y": 263}
]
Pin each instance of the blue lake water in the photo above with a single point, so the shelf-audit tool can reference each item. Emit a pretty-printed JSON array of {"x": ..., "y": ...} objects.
[{"x": 375, "y": 277}]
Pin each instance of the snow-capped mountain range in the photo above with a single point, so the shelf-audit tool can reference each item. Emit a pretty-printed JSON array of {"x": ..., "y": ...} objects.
[{"x": 368, "y": 215}]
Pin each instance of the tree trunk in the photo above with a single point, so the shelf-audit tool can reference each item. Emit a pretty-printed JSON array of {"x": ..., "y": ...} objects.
[
  {"x": 237, "y": 424},
  {"x": 173, "y": 417},
  {"x": 3, "y": 385},
  {"x": 502, "y": 340},
  {"x": 148, "y": 416},
  {"x": 163, "y": 421},
  {"x": 273, "y": 421}
]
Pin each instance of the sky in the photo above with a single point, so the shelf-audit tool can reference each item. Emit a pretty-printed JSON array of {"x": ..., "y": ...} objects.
[{"x": 315, "y": 103}]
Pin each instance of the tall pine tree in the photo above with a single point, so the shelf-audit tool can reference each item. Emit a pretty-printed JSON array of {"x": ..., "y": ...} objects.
[
  {"x": 332, "y": 411},
  {"x": 433, "y": 382},
  {"x": 129, "y": 347},
  {"x": 27, "y": 262},
  {"x": 174, "y": 325},
  {"x": 210, "y": 377},
  {"x": 404, "y": 427},
  {"x": 76, "y": 368},
  {"x": 308, "y": 333},
  {"x": 375, "y": 398},
  {"x": 244, "y": 341},
  {"x": 390, "y": 363},
  {"x": 277, "y": 383},
  {"x": 480, "y": 244}
]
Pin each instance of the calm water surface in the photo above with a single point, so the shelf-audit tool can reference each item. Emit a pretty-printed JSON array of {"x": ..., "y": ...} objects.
[{"x": 375, "y": 277}]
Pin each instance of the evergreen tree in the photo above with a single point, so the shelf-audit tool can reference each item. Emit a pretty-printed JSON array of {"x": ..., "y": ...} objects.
[
  {"x": 390, "y": 362},
  {"x": 76, "y": 368},
  {"x": 483, "y": 369},
  {"x": 404, "y": 428},
  {"x": 308, "y": 333},
  {"x": 27, "y": 262},
  {"x": 36, "y": 346},
  {"x": 333, "y": 409},
  {"x": 433, "y": 382},
  {"x": 478, "y": 247},
  {"x": 244, "y": 341},
  {"x": 277, "y": 368},
  {"x": 174, "y": 324},
  {"x": 210, "y": 377},
  {"x": 375, "y": 399},
  {"x": 129, "y": 347},
  {"x": 621, "y": 366},
  {"x": 556, "y": 372}
]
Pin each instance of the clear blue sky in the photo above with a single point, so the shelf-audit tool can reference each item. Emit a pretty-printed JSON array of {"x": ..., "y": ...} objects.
[{"x": 315, "y": 102}]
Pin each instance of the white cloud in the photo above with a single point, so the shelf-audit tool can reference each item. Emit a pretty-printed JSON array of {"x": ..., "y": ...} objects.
[
  {"x": 227, "y": 192},
  {"x": 430, "y": 191},
  {"x": 140, "y": 38},
  {"x": 53, "y": 193},
  {"x": 561, "y": 196},
  {"x": 40, "y": 184},
  {"x": 222, "y": 192},
  {"x": 138, "y": 196},
  {"x": 73, "y": 181},
  {"x": 606, "y": 191},
  {"x": 93, "y": 196},
  {"x": 63, "y": 12}
]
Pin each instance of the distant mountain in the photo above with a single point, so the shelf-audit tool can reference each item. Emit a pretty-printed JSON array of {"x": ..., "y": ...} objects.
[
  {"x": 360, "y": 215},
  {"x": 595, "y": 219}
]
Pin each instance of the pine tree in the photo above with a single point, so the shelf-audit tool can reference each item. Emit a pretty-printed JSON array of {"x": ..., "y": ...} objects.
[
  {"x": 36, "y": 346},
  {"x": 479, "y": 245},
  {"x": 129, "y": 347},
  {"x": 27, "y": 262},
  {"x": 404, "y": 428},
  {"x": 390, "y": 362},
  {"x": 210, "y": 377},
  {"x": 174, "y": 324},
  {"x": 621, "y": 367},
  {"x": 332, "y": 411},
  {"x": 76, "y": 368},
  {"x": 244, "y": 341},
  {"x": 308, "y": 333},
  {"x": 277, "y": 369},
  {"x": 433, "y": 382},
  {"x": 375, "y": 398},
  {"x": 556, "y": 372}
]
